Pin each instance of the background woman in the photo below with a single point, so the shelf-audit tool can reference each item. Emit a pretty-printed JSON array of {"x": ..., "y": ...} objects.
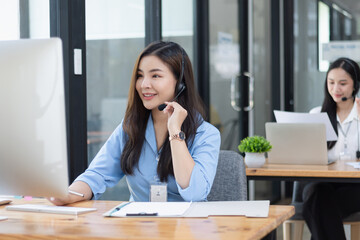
[{"x": 326, "y": 204}]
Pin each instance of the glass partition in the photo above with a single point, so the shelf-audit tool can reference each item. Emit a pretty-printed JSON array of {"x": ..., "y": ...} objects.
[
  {"x": 316, "y": 23},
  {"x": 115, "y": 32}
]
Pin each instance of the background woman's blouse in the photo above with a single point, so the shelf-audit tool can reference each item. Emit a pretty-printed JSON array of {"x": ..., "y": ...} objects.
[{"x": 352, "y": 136}]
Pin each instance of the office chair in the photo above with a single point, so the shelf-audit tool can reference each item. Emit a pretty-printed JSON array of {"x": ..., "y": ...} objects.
[
  {"x": 230, "y": 182},
  {"x": 298, "y": 221}
]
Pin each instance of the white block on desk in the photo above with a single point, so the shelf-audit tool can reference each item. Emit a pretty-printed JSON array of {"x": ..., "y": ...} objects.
[
  {"x": 49, "y": 209},
  {"x": 229, "y": 208}
]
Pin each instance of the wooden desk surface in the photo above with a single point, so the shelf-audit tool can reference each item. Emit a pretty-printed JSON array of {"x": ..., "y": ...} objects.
[
  {"x": 26, "y": 225},
  {"x": 338, "y": 170}
]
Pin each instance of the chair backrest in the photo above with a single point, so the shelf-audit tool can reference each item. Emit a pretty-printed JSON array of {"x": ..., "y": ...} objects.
[{"x": 230, "y": 182}]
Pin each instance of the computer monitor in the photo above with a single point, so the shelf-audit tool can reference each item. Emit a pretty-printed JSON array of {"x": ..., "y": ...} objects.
[{"x": 33, "y": 148}]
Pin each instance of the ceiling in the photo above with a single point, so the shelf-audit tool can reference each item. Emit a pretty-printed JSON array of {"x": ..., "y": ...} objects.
[{"x": 352, "y": 6}]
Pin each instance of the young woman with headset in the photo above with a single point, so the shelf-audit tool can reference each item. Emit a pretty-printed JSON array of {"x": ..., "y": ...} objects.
[
  {"x": 163, "y": 138},
  {"x": 326, "y": 204}
]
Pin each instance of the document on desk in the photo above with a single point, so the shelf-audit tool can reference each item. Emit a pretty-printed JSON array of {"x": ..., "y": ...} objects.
[
  {"x": 295, "y": 117},
  {"x": 49, "y": 209},
  {"x": 354, "y": 164},
  {"x": 191, "y": 209},
  {"x": 149, "y": 209}
]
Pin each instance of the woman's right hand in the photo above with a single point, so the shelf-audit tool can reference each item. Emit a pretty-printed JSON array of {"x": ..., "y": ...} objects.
[
  {"x": 61, "y": 201},
  {"x": 79, "y": 187}
]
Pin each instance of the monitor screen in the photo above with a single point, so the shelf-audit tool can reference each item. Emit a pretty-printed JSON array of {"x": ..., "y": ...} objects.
[{"x": 33, "y": 148}]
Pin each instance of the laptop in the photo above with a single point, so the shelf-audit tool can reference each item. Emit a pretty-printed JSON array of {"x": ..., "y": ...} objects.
[{"x": 297, "y": 143}]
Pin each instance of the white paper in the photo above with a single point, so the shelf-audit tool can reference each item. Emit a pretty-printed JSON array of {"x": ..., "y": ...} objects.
[
  {"x": 295, "y": 117},
  {"x": 163, "y": 209},
  {"x": 354, "y": 164}
]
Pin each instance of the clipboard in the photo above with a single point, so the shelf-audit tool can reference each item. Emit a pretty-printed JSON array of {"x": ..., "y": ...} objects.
[
  {"x": 149, "y": 209},
  {"x": 191, "y": 209}
]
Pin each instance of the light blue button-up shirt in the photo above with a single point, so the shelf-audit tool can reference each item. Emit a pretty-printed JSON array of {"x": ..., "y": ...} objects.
[{"x": 105, "y": 171}]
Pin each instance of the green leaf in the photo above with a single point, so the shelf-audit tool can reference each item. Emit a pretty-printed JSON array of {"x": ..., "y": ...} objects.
[{"x": 254, "y": 144}]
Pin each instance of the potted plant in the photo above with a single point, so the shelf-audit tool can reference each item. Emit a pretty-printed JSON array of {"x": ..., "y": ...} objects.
[{"x": 254, "y": 148}]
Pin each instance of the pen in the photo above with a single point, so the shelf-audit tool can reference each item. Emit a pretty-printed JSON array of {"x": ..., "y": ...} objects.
[
  {"x": 76, "y": 193},
  {"x": 141, "y": 214},
  {"x": 118, "y": 208}
]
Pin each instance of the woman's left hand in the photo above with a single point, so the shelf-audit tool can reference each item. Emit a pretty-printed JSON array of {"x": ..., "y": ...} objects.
[
  {"x": 176, "y": 116},
  {"x": 358, "y": 106}
]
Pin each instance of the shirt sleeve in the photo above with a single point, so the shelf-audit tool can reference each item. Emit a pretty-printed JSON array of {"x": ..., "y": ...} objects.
[
  {"x": 205, "y": 152},
  {"x": 105, "y": 171}
]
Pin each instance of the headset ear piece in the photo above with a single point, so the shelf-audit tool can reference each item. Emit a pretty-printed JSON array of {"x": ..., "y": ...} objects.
[{"x": 181, "y": 87}]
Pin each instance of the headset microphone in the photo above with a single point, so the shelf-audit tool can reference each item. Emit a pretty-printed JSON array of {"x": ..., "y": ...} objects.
[
  {"x": 163, "y": 106},
  {"x": 345, "y": 98}
]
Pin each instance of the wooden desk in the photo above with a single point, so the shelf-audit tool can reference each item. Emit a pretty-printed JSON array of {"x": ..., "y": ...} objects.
[
  {"x": 338, "y": 171},
  {"x": 26, "y": 225}
]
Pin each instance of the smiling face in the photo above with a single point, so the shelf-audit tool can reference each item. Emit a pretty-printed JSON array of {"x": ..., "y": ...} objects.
[
  {"x": 155, "y": 82},
  {"x": 339, "y": 84}
]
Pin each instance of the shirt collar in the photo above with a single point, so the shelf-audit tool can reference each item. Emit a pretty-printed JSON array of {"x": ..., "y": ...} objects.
[
  {"x": 150, "y": 134},
  {"x": 351, "y": 116}
]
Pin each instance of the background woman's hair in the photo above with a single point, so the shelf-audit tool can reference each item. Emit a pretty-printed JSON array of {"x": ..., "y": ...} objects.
[
  {"x": 329, "y": 105},
  {"x": 136, "y": 116}
]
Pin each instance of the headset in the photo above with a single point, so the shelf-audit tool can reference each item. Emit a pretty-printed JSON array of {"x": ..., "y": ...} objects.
[
  {"x": 181, "y": 84},
  {"x": 356, "y": 80}
]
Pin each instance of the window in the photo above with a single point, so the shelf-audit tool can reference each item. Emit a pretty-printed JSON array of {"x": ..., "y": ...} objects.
[
  {"x": 177, "y": 23},
  {"x": 324, "y": 32},
  {"x": 24, "y": 19},
  {"x": 115, "y": 31}
]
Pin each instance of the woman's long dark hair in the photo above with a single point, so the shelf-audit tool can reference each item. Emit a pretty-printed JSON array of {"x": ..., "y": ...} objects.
[
  {"x": 329, "y": 105},
  {"x": 136, "y": 116}
]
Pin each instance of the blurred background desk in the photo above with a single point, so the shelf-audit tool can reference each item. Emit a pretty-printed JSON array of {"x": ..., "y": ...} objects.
[
  {"x": 26, "y": 225},
  {"x": 335, "y": 172}
]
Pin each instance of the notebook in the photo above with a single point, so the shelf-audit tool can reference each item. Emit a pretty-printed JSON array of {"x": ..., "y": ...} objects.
[
  {"x": 297, "y": 143},
  {"x": 49, "y": 209}
]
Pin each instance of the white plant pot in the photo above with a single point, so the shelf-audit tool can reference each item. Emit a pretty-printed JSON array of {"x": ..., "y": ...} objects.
[{"x": 254, "y": 160}]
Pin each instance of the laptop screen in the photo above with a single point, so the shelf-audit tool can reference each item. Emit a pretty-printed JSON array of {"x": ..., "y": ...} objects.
[{"x": 297, "y": 143}]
